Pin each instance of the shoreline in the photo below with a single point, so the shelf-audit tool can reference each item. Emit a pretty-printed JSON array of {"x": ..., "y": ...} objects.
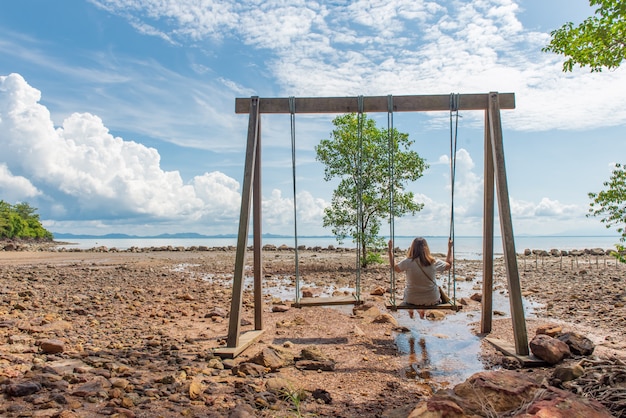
[{"x": 60, "y": 246}]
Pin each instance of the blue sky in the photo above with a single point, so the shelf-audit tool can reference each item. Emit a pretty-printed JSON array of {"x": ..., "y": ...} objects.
[{"x": 118, "y": 115}]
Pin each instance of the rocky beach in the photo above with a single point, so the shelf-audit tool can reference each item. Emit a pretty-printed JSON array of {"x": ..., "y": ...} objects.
[{"x": 132, "y": 334}]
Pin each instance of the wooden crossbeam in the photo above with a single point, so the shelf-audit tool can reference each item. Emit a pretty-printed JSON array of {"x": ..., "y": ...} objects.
[
  {"x": 440, "y": 306},
  {"x": 419, "y": 103},
  {"x": 327, "y": 301}
]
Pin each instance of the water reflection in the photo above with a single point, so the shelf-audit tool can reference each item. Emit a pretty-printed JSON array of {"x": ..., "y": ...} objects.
[
  {"x": 417, "y": 367},
  {"x": 439, "y": 353}
]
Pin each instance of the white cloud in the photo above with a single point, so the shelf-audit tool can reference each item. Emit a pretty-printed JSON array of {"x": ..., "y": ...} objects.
[
  {"x": 278, "y": 213},
  {"x": 98, "y": 175},
  {"x": 547, "y": 208},
  {"x": 219, "y": 193},
  {"x": 15, "y": 188},
  {"x": 403, "y": 47},
  {"x": 94, "y": 175}
]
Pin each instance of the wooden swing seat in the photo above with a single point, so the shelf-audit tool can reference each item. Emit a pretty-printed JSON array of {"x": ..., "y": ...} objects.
[
  {"x": 442, "y": 306},
  {"x": 327, "y": 301}
]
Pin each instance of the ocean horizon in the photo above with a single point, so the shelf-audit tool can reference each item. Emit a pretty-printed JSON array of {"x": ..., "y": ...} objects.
[{"x": 466, "y": 247}]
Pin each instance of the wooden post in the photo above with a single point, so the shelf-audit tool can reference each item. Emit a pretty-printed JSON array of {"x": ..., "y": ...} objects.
[
  {"x": 488, "y": 221},
  {"x": 506, "y": 227},
  {"x": 244, "y": 222},
  {"x": 258, "y": 255}
]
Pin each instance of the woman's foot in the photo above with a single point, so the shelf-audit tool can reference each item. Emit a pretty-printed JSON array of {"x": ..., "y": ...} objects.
[
  {"x": 422, "y": 313},
  {"x": 411, "y": 314}
]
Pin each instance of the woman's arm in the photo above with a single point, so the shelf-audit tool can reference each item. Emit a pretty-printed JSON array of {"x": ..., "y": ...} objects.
[
  {"x": 449, "y": 256},
  {"x": 391, "y": 259}
]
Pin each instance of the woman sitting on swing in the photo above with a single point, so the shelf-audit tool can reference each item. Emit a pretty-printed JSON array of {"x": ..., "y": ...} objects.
[{"x": 421, "y": 268}]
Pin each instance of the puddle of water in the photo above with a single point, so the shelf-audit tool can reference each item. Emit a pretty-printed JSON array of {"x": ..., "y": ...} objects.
[
  {"x": 446, "y": 352},
  {"x": 439, "y": 353},
  {"x": 183, "y": 267}
]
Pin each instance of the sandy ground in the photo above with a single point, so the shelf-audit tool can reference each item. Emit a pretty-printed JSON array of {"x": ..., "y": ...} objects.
[{"x": 152, "y": 319}]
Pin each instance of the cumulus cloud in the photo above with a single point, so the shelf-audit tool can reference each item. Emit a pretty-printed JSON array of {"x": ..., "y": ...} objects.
[
  {"x": 82, "y": 160},
  {"x": 15, "y": 188},
  {"x": 278, "y": 211},
  {"x": 85, "y": 173},
  {"x": 546, "y": 208},
  {"x": 95, "y": 174}
]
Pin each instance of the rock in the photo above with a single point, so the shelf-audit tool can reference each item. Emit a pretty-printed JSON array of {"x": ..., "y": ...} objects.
[
  {"x": 242, "y": 411},
  {"x": 566, "y": 373},
  {"x": 312, "y": 353},
  {"x": 596, "y": 251},
  {"x": 378, "y": 291},
  {"x": 369, "y": 311},
  {"x": 366, "y": 310},
  {"x": 435, "y": 315},
  {"x": 67, "y": 366},
  {"x": 578, "y": 345},
  {"x": 273, "y": 358},
  {"x": 558, "y": 403},
  {"x": 278, "y": 385},
  {"x": 549, "y": 349},
  {"x": 309, "y": 292},
  {"x": 280, "y": 308},
  {"x": 196, "y": 388},
  {"x": 119, "y": 382},
  {"x": 94, "y": 387},
  {"x": 215, "y": 363},
  {"x": 501, "y": 390},
  {"x": 218, "y": 312},
  {"x": 385, "y": 318},
  {"x": 51, "y": 346},
  {"x": 22, "y": 389},
  {"x": 123, "y": 412},
  {"x": 323, "y": 365},
  {"x": 358, "y": 331},
  {"x": 551, "y": 330},
  {"x": 249, "y": 369},
  {"x": 477, "y": 297},
  {"x": 438, "y": 406},
  {"x": 322, "y": 395}
]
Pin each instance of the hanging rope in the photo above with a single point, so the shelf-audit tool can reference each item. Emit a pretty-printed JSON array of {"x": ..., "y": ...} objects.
[
  {"x": 359, "y": 214},
  {"x": 454, "y": 129},
  {"x": 292, "y": 111},
  {"x": 392, "y": 234}
]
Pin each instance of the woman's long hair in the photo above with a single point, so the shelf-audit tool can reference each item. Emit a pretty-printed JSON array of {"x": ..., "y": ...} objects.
[{"x": 419, "y": 250}]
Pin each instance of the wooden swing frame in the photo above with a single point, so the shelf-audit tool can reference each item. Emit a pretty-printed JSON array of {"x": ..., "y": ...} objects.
[{"x": 495, "y": 183}]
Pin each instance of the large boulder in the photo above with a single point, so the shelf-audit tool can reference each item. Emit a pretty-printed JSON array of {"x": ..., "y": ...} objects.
[
  {"x": 500, "y": 391},
  {"x": 579, "y": 345},
  {"x": 549, "y": 349},
  {"x": 557, "y": 403}
]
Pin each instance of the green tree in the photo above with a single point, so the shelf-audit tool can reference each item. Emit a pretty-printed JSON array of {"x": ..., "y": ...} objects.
[
  {"x": 5, "y": 211},
  {"x": 21, "y": 221},
  {"x": 367, "y": 172},
  {"x": 598, "y": 42},
  {"x": 610, "y": 205}
]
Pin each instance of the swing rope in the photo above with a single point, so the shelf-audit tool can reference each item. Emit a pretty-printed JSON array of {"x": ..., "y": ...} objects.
[
  {"x": 454, "y": 129},
  {"x": 359, "y": 215},
  {"x": 392, "y": 234},
  {"x": 292, "y": 111}
]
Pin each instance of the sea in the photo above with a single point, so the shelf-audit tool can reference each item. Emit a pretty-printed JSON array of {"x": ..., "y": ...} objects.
[{"x": 466, "y": 247}]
